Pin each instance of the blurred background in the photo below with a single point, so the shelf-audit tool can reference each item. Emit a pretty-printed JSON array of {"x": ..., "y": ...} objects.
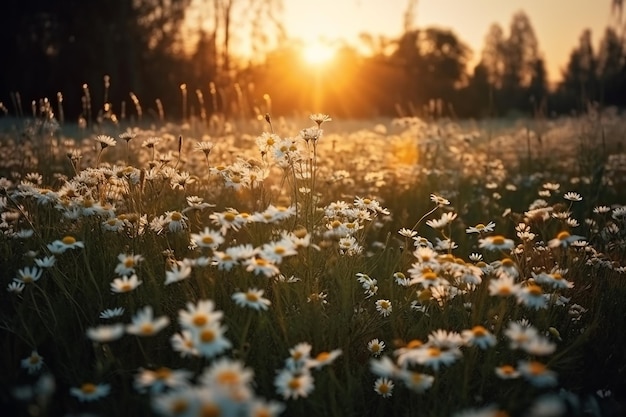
[{"x": 178, "y": 59}]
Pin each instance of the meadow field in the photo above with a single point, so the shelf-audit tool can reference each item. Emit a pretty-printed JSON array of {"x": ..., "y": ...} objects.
[{"x": 313, "y": 267}]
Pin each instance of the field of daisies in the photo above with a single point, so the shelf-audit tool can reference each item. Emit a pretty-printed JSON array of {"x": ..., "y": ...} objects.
[{"x": 313, "y": 267}]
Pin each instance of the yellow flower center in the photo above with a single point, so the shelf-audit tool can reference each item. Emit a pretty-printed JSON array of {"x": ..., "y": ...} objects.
[
  {"x": 536, "y": 368},
  {"x": 508, "y": 262},
  {"x": 147, "y": 328},
  {"x": 163, "y": 373},
  {"x": 252, "y": 297},
  {"x": 479, "y": 331},
  {"x": 323, "y": 356},
  {"x": 207, "y": 240},
  {"x": 199, "y": 320},
  {"x": 207, "y": 336},
  {"x": 556, "y": 276},
  {"x": 176, "y": 216},
  {"x": 228, "y": 378},
  {"x": 534, "y": 290},
  {"x": 507, "y": 369},
  {"x": 230, "y": 217},
  {"x": 129, "y": 262},
  {"x": 415, "y": 343},
  {"x": 384, "y": 388},
  {"x": 429, "y": 276},
  {"x": 563, "y": 235},
  {"x": 498, "y": 240},
  {"x": 179, "y": 406},
  {"x": 294, "y": 384},
  {"x": 434, "y": 352},
  {"x": 479, "y": 226},
  {"x": 126, "y": 287},
  {"x": 88, "y": 388},
  {"x": 68, "y": 240},
  {"x": 210, "y": 410}
]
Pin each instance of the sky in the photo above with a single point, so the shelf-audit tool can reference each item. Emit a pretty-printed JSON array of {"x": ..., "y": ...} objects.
[{"x": 558, "y": 24}]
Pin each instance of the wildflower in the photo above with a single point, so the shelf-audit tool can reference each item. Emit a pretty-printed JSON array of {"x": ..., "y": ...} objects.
[
  {"x": 320, "y": 118},
  {"x": 178, "y": 272},
  {"x": 205, "y": 146},
  {"x": 416, "y": 381},
  {"x": 319, "y": 297},
  {"x": 507, "y": 372},
  {"x": 28, "y": 275},
  {"x": 32, "y": 363},
  {"x": 16, "y": 287},
  {"x": 180, "y": 402},
  {"x": 479, "y": 336},
  {"x": 209, "y": 340},
  {"x": 446, "y": 218},
  {"x": 497, "y": 242},
  {"x": 383, "y": 307},
  {"x": 227, "y": 220},
  {"x": 384, "y": 367},
  {"x": 426, "y": 277},
  {"x": 207, "y": 239},
  {"x": 127, "y": 263},
  {"x": 408, "y": 233},
  {"x": 504, "y": 286},
  {"x": 276, "y": 251},
  {"x": 105, "y": 333},
  {"x": 554, "y": 279},
  {"x": 349, "y": 246},
  {"x": 105, "y": 141},
  {"x": 175, "y": 221},
  {"x": 88, "y": 391},
  {"x": 183, "y": 344},
  {"x": 299, "y": 355},
  {"x": 537, "y": 374},
  {"x": 156, "y": 381},
  {"x": 261, "y": 266},
  {"x": 229, "y": 377},
  {"x": 481, "y": 228},
  {"x": 150, "y": 142},
  {"x": 110, "y": 313},
  {"x": 563, "y": 239},
  {"x": 198, "y": 315},
  {"x": 440, "y": 201},
  {"x": 294, "y": 384},
  {"x": 60, "y": 246},
  {"x": 252, "y": 298},
  {"x": 261, "y": 408},
  {"x": 571, "y": 196},
  {"x": 323, "y": 359},
  {"x": 384, "y": 387},
  {"x": 532, "y": 296},
  {"x": 125, "y": 284},
  {"x": 144, "y": 323},
  {"x": 46, "y": 261},
  {"x": 376, "y": 347}
]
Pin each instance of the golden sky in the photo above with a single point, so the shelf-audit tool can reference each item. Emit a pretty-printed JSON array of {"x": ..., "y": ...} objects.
[{"x": 557, "y": 23}]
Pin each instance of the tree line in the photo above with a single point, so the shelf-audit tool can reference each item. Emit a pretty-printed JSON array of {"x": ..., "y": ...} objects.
[{"x": 154, "y": 59}]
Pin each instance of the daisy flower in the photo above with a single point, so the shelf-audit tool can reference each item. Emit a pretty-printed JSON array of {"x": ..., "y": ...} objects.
[
  {"x": 32, "y": 363},
  {"x": 28, "y": 275},
  {"x": 384, "y": 387},
  {"x": 106, "y": 333},
  {"x": 376, "y": 347},
  {"x": 537, "y": 374},
  {"x": 16, "y": 287},
  {"x": 320, "y": 118},
  {"x": 127, "y": 263},
  {"x": 175, "y": 220},
  {"x": 259, "y": 407},
  {"x": 183, "y": 344},
  {"x": 276, "y": 251},
  {"x": 572, "y": 196},
  {"x": 554, "y": 279},
  {"x": 125, "y": 284},
  {"x": 88, "y": 391},
  {"x": 145, "y": 324},
  {"x": 60, "y": 246},
  {"x": 252, "y": 298},
  {"x": 178, "y": 272},
  {"x": 507, "y": 372},
  {"x": 446, "y": 218},
  {"x": 105, "y": 141},
  {"x": 298, "y": 356},
  {"x": 440, "y": 201},
  {"x": 156, "y": 381},
  {"x": 478, "y": 336},
  {"x": 198, "y": 315},
  {"x": 261, "y": 266},
  {"x": 408, "y": 233},
  {"x": 229, "y": 377},
  {"x": 384, "y": 307},
  {"x": 46, "y": 261},
  {"x": 323, "y": 359},
  {"x": 504, "y": 286},
  {"x": 416, "y": 381},
  {"x": 209, "y": 341},
  {"x": 497, "y": 242},
  {"x": 564, "y": 239},
  {"x": 294, "y": 384},
  {"x": 207, "y": 239},
  {"x": 110, "y": 313},
  {"x": 481, "y": 228},
  {"x": 532, "y": 296}
]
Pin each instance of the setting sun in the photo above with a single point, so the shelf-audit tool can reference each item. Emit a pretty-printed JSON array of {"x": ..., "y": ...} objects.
[{"x": 318, "y": 53}]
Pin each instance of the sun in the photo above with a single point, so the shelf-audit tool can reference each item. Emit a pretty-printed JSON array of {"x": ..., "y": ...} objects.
[{"x": 318, "y": 53}]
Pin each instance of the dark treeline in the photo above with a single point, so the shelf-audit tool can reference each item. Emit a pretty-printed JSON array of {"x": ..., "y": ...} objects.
[{"x": 142, "y": 58}]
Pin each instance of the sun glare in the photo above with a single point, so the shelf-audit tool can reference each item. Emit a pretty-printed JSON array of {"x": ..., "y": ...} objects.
[{"x": 318, "y": 53}]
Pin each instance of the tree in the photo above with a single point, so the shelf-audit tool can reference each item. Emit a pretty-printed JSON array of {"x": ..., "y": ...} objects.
[
  {"x": 580, "y": 77},
  {"x": 611, "y": 68}
]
